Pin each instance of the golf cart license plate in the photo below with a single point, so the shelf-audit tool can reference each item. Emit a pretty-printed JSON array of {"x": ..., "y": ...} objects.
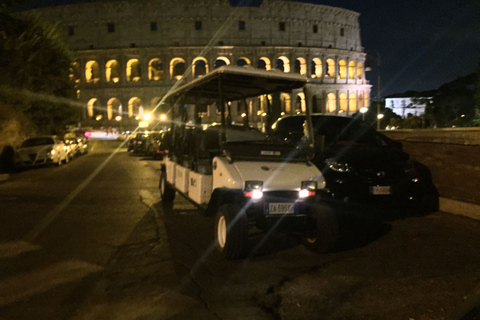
[
  {"x": 380, "y": 190},
  {"x": 280, "y": 208}
]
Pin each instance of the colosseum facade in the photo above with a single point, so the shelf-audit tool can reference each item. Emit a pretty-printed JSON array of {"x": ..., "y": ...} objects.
[{"x": 131, "y": 53}]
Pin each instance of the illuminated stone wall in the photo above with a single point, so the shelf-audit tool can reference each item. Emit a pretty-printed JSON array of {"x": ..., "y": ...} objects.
[{"x": 130, "y": 53}]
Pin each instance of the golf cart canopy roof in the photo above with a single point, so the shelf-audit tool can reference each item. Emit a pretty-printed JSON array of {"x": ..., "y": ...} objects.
[{"x": 236, "y": 83}]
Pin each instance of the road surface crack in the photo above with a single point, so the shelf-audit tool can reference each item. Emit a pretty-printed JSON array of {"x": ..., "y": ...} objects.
[
  {"x": 200, "y": 289},
  {"x": 271, "y": 301}
]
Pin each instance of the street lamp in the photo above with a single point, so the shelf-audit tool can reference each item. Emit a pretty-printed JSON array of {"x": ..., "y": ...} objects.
[
  {"x": 378, "y": 85},
  {"x": 363, "y": 110}
]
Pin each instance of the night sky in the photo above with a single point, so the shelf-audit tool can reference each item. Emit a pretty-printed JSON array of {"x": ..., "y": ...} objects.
[{"x": 422, "y": 43}]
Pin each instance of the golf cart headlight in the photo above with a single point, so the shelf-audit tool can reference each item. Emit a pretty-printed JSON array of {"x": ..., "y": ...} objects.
[
  {"x": 307, "y": 189},
  {"x": 253, "y": 189},
  {"x": 337, "y": 166}
]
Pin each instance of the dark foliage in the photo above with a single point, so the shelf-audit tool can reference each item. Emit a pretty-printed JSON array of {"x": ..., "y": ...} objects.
[{"x": 35, "y": 65}]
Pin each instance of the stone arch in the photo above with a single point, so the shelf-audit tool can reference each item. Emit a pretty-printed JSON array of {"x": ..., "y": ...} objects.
[
  {"x": 264, "y": 63},
  {"x": 343, "y": 102},
  {"x": 342, "y": 69},
  {"x": 300, "y": 105},
  {"x": 285, "y": 102},
  {"x": 316, "y": 68},
  {"x": 300, "y": 66},
  {"x": 133, "y": 70},
  {"x": 199, "y": 67},
  {"x": 177, "y": 68},
  {"x": 92, "y": 72},
  {"x": 359, "y": 70},
  {"x": 330, "y": 68},
  {"x": 283, "y": 64},
  {"x": 114, "y": 108},
  {"x": 135, "y": 108},
  {"x": 94, "y": 108},
  {"x": 331, "y": 103},
  {"x": 221, "y": 61},
  {"x": 112, "y": 71},
  {"x": 243, "y": 61},
  {"x": 352, "y": 102},
  {"x": 155, "y": 70},
  {"x": 351, "y": 70}
]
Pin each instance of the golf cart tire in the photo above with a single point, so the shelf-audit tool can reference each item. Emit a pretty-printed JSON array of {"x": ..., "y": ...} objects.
[
  {"x": 167, "y": 192},
  {"x": 325, "y": 237},
  {"x": 231, "y": 231}
]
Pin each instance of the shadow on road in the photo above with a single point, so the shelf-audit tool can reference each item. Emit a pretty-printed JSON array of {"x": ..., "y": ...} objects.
[{"x": 189, "y": 230}]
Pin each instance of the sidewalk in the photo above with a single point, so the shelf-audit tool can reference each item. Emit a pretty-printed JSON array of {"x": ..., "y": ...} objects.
[{"x": 466, "y": 209}]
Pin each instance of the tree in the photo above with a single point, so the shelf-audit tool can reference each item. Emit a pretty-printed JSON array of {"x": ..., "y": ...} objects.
[{"x": 35, "y": 64}]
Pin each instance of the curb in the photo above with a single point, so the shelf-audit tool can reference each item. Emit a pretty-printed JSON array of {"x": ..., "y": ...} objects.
[{"x": 460, "y": 208}]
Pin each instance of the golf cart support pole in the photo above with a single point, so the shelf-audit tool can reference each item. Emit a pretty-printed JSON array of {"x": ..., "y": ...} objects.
[
  {"x": 222, "y": 110},
  {"x": 247, "y": 115},
  {"x": 310, "y": 137}
]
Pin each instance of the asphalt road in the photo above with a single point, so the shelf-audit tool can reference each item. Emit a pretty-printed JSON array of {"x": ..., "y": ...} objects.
[{"x": 91, "y": 240}]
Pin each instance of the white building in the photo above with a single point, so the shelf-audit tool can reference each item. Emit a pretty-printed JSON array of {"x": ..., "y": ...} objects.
[
  {"x": 408, "y": 105},
  {"x": 130, "y": 53}
]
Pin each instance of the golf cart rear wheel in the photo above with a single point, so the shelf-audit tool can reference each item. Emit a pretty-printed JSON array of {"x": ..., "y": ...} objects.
[
  {"x": 325, "y": 236},
  {"x": 231, "y": 231},
  {"x": 167, "y": 192}
]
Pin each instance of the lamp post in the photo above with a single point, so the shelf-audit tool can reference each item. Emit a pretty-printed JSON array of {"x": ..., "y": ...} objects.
[
  {"x": 378, "y": 57},
  {"x": 362, "y": 111}
]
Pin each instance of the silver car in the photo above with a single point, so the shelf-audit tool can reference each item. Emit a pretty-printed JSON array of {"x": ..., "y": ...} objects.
[{"x": 41, "y": 150}]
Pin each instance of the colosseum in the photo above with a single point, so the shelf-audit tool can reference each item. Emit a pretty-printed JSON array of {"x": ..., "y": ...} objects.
[{"x": 131, "y": 53}]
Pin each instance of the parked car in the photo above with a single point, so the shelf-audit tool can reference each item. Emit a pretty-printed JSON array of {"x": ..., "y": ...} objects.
[
  {"x": 136, "y": 142},
  {"x": 41, "y": 150},
  {"x": 155, "y": 144},
  {"x": 361, "y": 165},
  {"x": 76, "y": 143}
]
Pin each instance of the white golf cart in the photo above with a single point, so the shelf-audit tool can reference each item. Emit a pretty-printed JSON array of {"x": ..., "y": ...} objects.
[{"x": 237, "y": 175}]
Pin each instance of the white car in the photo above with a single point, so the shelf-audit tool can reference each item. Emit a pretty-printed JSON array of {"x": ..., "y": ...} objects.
[{"x": 41, "y": 150}]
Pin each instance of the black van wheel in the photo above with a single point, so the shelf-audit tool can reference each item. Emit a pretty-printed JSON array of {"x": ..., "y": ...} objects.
[
  {"x": 325, "y": 236},
  {"x": 167, "y": 192},
  {"x": 231, "y": 231}
]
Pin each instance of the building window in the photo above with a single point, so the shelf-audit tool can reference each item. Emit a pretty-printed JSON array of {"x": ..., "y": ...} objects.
[
  {"x": 198, "y": 25},
  {"x": 71, "y": 30},
  {"x": 342, "y": 32},
  {"x": 315, "y": 28},
  {"x": 241, "y": 25},
  {"x": 110, "y": 27},
  {"x": 281, "y": 26},
  {"x": 153, "y": 26}
]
